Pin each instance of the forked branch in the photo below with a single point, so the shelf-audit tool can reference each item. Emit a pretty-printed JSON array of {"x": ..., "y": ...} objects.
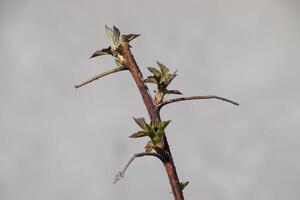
[
  {"x": 100, "y": 76},
  {"x": 194, "y": 98},
  {"x": 121, "y": 173}
]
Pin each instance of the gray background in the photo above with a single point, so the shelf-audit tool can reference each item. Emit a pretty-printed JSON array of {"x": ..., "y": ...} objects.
[{"x": 60, "y": 143}]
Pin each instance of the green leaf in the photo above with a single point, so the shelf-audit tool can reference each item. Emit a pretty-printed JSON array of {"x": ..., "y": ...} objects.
[
  {"x": 174, "y": 92},
  {"x": 138, "y": 134},
  {"x": 109, "y": 32},
  {"x": 170, "y": 78},
  {"x": 162, "y": 125},
  {"x": 150, "y": 79},
  {"x": 164, "y": 70},
  {"x": 106, "y": 51},
  {"x": 183, "y": 184},
  {"x": 156, "y": 141},
  {"x": 129, "y": 37},
  {"x": 150, "y": 131},
  {"x": 113, "y": 36},
  {"x": 154, "y": 71},
  {"x": 141, "y": 122}
]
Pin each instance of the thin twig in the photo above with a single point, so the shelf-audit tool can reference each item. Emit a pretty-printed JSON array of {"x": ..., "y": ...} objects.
[
  {"x": 121, "y": 173},
  {"x": 194, "y": 98},
  {"x": 100, "y": 76}
]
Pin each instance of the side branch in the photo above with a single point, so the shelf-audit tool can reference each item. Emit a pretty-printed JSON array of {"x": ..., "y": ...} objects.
[
  {"x": 100, "y": 76},
  {"x": 121, "y": 173},
  {"x": 194, "y": 98}
]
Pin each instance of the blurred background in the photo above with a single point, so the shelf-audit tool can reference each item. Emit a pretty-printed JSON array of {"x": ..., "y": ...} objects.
[{"x": 60, "y": 143}]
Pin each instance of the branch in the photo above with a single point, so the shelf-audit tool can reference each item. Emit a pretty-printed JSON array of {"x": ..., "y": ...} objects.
[
  {"x": 155, "y": 119},
  {"x": 194, "y": 98},
  {"x": 121, "y": 173},
  {"x": 100, "y": 76}
]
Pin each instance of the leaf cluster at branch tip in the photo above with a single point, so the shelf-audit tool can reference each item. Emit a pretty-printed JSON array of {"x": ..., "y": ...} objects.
[
  {"x": 115, "y": 39},
  {"x": 162, "y": 78},
  {"x": 155, "y": 132}
]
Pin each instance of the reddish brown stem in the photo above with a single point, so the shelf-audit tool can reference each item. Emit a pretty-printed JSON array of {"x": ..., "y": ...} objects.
[{"x": 153, "y": 112}]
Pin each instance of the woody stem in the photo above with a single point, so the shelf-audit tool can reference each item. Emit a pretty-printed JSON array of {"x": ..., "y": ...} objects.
[{"x": 153, "y": 112}]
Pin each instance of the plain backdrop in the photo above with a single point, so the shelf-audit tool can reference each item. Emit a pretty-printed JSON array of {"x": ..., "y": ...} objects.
[{"x": 58, "y": 143}]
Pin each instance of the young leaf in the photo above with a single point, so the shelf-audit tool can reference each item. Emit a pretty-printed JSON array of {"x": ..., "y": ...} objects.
[
  {"x": 150, "y": 131},
  {"x": 116, "y": 31},
  {"x": 138, "y": 134},
  {"x": 154, "y": 71},
  {"x": 149, "y": 147},
  {"x": 109, "y": 32},
  {"x": 141, "y": 122},
  {"x": 174, "y": 92},
  {"x": 183, "y": 184},
  {"x": 158, "y": 97},
  {"x": 170, "y": 78},
  {"x": 150, "y": 79},
  {"x": 164, "y": 70},
  {"x": 162, "y": 125},
  {"x": 113, "y": 36},
  {"x": 129, "y": 37},
  {"x": 155, "y": 141},
  {"x": 106, "y": 51}
]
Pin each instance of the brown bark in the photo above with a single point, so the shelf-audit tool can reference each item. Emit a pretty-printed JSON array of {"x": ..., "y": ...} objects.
[{"x": 153, "y": 112}]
